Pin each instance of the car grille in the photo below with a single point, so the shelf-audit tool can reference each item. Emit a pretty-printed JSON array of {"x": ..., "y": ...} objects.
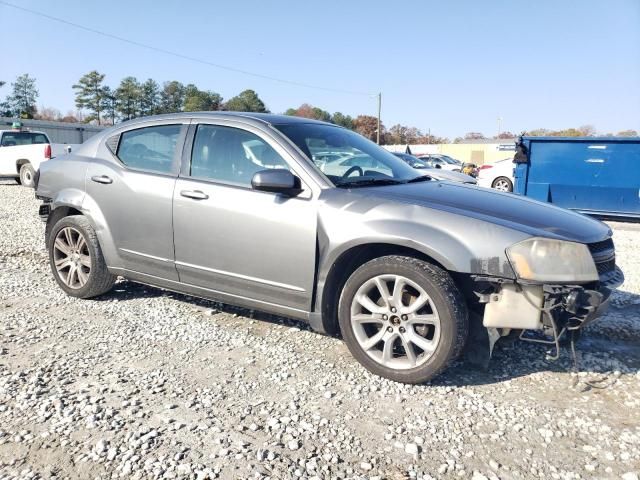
[
  {"x": 604, "y": 256},
  {"x": 599, "y": 247},
  {"x": 606, "y": 267}
]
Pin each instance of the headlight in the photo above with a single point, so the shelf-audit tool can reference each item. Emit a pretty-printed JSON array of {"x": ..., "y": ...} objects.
[{"x": 545, "y": 260}]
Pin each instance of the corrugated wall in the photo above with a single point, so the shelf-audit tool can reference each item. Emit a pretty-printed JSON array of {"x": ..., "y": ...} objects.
[{"x": 58, "y": 132}]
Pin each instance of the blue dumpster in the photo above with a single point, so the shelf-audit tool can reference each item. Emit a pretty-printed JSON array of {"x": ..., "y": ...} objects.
[{"x": 593, "y": 175}]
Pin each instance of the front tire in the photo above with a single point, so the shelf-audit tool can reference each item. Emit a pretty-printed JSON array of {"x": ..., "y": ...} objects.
[
  {"x": 402, "y": 318},
  {"x": 76, "y": 258},
  {"x": 27, "y": 175}
]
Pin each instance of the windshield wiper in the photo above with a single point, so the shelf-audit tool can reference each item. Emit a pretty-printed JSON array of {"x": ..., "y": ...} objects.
[
  {"x": 369, "y": 182},
  {"x": 421, "y": 178}
]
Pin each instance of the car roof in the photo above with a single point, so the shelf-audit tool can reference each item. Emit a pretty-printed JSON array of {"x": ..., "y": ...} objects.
[{"x": 268, "y": 118}]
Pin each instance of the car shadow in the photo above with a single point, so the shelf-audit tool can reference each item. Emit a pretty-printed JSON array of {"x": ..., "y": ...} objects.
[
  {"x": 126, "y": 290},
  {"x": 604, "y": 344}
]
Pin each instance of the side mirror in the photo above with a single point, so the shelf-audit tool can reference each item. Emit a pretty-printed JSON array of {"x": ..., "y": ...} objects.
[
  {"x": 438, "y": 165},
  {"x": 276, "y": 180}
]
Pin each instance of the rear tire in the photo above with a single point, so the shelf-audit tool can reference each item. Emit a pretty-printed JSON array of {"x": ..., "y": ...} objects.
[
  {"x": 27, "y": 175},
  {"x": 76, "y": 258},
  {"x": 502, "y": 184},
  {"x": 410, "y": 337}
]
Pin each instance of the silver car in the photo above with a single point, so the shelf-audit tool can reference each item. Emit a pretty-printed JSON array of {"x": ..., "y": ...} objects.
[{"x": 233, "y": 207}]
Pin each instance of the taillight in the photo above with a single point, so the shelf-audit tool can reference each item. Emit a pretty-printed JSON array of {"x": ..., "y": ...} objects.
[
  {"x": 482, "y": 167},
  {"x": 47, "y": 152}
]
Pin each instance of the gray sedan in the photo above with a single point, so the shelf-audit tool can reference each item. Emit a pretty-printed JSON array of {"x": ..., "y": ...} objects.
[{"x": 236, "y": 207}]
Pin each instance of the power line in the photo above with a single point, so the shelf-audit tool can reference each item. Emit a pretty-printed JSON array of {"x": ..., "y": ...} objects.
[{"x": 180, "y": 55}]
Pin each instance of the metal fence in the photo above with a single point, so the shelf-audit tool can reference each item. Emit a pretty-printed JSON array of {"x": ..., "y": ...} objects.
[{"x": 58, "y": 132}]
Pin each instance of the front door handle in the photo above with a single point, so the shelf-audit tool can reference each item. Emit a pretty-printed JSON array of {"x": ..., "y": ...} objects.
[
  {"x": 195, "y": 194},
  {"x": 102, "y": 179}
]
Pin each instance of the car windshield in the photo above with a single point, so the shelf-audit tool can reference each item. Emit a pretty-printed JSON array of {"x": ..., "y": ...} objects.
[{"x": 346, "y": 158}]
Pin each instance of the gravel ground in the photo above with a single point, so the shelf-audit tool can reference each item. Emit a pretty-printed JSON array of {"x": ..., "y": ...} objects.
[{"x": 143, "y": 383}]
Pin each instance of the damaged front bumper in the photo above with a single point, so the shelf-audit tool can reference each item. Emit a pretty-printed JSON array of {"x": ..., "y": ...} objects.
[
  {"x": 547, "y": 307},
  {"x": 542, "y": 313}
]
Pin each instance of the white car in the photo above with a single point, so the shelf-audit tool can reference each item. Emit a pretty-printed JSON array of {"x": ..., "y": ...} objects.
[
  {"x": 498, "y": 175},
  {"x": 435, "y": 173},
  {"x": 22, "y": 152},
  {"x": 443, "y": 162}
]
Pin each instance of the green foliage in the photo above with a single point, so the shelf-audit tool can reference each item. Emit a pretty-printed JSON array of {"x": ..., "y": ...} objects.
[
  {"x": 171, "y": 97},
  {"x": 345, "y": 121},
  {"x": 128, "y": 98},
  {"x": 109, "y": 105},
  {"x": 149, "y": 98},
  {"x": 196, "y": 100},
  {"x": 22, "y": 102},
  {"x": 92, "y": 94},
  {"x": 246, "y": 101}
]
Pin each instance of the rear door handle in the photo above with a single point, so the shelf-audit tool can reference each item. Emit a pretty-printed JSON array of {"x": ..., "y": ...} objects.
[
  {"x": 195, "y": 194},
  {"x": 102, "y": 179}
]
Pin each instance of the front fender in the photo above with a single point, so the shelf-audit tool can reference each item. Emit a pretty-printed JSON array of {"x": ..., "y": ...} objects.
[{"x": 458, "y": 243}]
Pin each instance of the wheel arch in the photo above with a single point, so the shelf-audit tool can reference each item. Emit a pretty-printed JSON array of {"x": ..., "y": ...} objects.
[
  {"x": 55, "y": 216},
  {"x": 346, "y": 262},
  {"x": 20, "y": 162},
  {"x": 75, "y": 201}
]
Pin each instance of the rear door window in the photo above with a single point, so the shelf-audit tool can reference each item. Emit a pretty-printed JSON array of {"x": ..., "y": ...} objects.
[{"x": 150, "y": 148}]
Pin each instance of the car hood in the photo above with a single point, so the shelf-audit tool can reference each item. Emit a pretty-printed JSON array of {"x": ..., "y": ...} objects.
[{"x": 508, "y": 210}]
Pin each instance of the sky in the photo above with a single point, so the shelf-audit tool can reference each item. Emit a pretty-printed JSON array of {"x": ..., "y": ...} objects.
[{"x": 450, "y": 67}]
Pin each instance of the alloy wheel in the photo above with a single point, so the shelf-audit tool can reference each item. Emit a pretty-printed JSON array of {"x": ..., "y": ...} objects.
[
  {"x": 502, "y": 185},
  {"x": 72, "y": 258},
  {"x": 395, "y": 322}
]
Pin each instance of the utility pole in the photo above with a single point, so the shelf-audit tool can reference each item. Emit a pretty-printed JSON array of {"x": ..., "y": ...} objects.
[{"x": 379, "y": 110}]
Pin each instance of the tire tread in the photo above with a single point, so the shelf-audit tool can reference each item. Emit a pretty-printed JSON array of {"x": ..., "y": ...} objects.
[
  {"x": 448, "y": 290},
  {"x": 101, "y": 280}
]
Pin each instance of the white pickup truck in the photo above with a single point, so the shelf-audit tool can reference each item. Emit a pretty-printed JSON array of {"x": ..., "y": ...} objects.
[{"x": 22, "y": 152}]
